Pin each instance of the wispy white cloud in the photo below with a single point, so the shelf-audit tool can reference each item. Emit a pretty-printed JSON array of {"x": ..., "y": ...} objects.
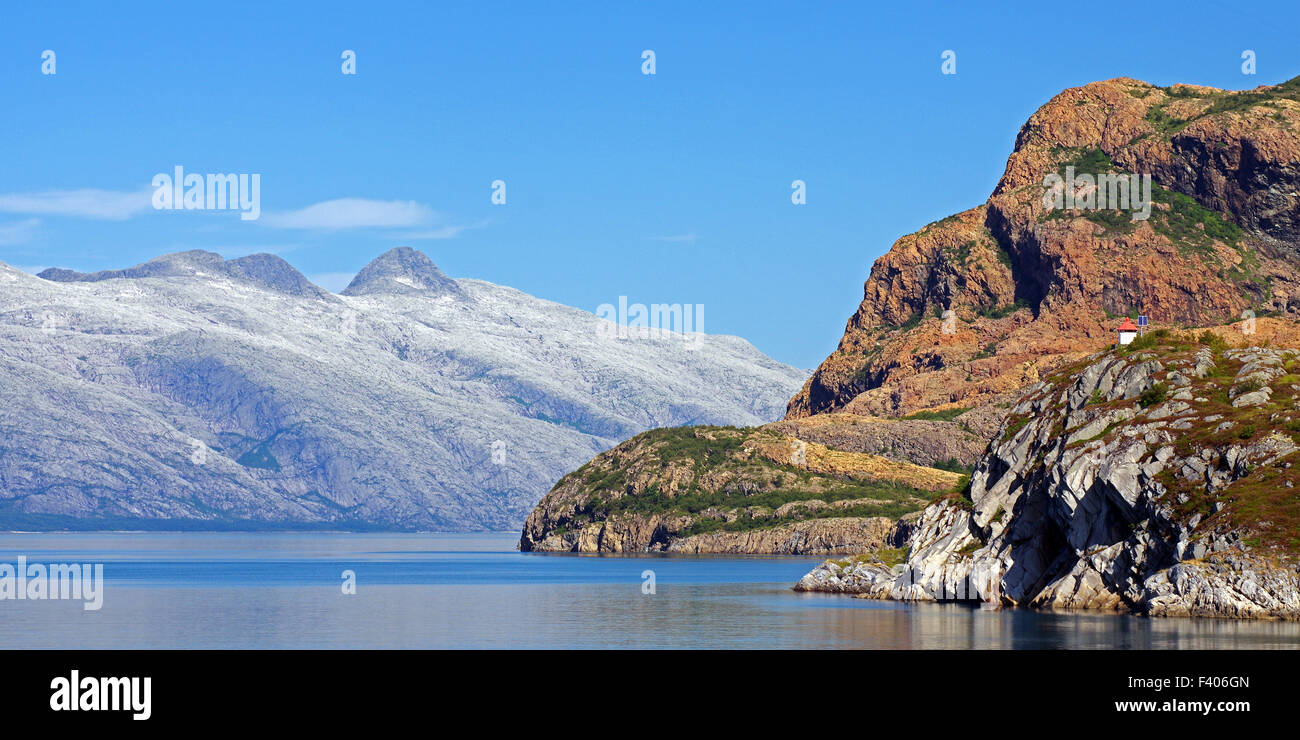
[
  {"x": 18, "y": 231},
  {"x": 332, "y": 281},
  {"x": 331, "y": 215},
  {"x": 446, "y": 231},
  {"x": 105, "y": 205},
  {"x": 676, "y": 238},
  {"x": 358, "y": 213},
  {"x": 354, "y": 213}
]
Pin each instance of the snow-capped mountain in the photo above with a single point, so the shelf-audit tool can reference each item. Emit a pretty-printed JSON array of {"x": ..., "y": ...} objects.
[{"x": 193, "y": 391}]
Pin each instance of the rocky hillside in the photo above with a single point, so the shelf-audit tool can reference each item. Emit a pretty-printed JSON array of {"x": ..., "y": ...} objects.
[
  {"x": 193, "y": 391},
  {"x": 1033, "y": 287},
  {"x": 1159, "y": 478},
  {"x": 722, "y": 489},
  {"x": 952, "y": 438},
  {"x": 958, "y": 318}
]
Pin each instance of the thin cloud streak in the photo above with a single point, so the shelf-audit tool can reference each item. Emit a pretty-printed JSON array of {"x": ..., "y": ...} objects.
[
  {"x": 104, "y": 205},
  {"x": 353, "y": 213},
  {"x": 19, "y": 231},
  {"x": 450, "y": 231}
]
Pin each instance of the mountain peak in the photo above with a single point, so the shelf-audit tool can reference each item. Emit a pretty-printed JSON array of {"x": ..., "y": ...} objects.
[
  {"x": 402, "y": 270},
  {"x": 266, "y": 270},
  {"x": 273, "y": 272},
  {"x": 168, "y": 265}
]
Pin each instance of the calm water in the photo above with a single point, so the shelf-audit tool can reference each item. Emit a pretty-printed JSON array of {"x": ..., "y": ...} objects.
[{"x": 216, "y": 590}]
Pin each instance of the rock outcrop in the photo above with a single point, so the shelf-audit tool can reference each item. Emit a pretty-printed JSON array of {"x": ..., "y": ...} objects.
[
  {"x": 833, "y": 536},
  {"x": 931, "y": 442},
  {"x": 1030, "y": 288},
  {"x": 403, "y": 271},
  {"x": 1158, "y": 478},
  {"x": 263, "y": 270}
]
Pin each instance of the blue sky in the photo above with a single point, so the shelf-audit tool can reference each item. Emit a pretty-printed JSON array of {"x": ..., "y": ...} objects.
[{"x": 666, "y": 188}]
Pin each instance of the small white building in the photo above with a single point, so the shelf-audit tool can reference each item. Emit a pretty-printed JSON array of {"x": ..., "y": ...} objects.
[{"x": 1127, "y": 331}]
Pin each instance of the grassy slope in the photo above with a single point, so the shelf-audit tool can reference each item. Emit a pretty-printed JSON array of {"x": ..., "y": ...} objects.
[{"x": 716, "y": 474}]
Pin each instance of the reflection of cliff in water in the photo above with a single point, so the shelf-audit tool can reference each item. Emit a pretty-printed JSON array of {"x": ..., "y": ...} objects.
[{"x": 876, "y": 625}]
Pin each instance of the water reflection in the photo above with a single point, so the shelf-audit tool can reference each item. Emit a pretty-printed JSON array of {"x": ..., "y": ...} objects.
[{"x": 427, "y": 591}]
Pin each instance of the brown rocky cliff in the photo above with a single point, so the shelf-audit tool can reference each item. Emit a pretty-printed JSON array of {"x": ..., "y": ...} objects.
[{"x": 1032, "y": 288}]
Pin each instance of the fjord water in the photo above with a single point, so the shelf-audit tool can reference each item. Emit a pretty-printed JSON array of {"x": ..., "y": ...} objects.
[{"x": 229, "y": 590}]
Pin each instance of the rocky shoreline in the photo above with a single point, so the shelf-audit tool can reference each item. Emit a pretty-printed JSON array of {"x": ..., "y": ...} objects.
[
  {"x": 831, "y": 536},
  {"x": 1098, "y": 497}
]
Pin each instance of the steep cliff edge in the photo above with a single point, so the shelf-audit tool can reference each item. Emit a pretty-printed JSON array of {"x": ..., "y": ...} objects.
[
  {"x": 1031, "y": 288},
  {"x": 1158, "y": 478},
  {"x": 725, "y": 489}
]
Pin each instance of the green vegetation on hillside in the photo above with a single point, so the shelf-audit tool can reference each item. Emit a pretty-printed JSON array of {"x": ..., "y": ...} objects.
[
  {"x": 886, "y": 556},
  {"x": 1001, "y": 312},
  {"x": 1192, "y": 227},
  {"x": 944, "y": 415},
  {"x": 1091, "y": 162},
  {"x": 961, "y": 255},
  {"x": 1188, "y": 223},
  {"x": 708, "y": 475},
  {"x": 1167, "y": 124}
]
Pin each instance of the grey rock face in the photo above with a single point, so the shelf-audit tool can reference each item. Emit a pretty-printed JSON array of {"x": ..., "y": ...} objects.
[
  {"x": 402, "y": 271},
  {"x": 266, "y": 270},
  {"x": 1082, "y": 518},
  {"x": 197, "y": 392}
]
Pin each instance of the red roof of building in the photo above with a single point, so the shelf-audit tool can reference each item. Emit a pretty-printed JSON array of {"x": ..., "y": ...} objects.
[{"x": 1127, "y": 326}]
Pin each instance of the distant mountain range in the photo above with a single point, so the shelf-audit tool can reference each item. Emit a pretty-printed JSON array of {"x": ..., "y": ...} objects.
[{"x": 197, "y": 392}]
